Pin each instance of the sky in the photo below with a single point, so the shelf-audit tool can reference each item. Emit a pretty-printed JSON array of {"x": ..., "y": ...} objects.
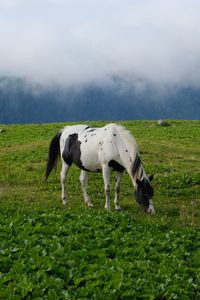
[{"x": 79, "y": 42}]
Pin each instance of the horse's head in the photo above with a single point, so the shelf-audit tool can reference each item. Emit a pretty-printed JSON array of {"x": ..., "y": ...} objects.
[{"x": 144, "y": 194}]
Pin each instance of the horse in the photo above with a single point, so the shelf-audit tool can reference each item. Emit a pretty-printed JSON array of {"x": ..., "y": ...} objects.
[{"x": 104, "y": 149}]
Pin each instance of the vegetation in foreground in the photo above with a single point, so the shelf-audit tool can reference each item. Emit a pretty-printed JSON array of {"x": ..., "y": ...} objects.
[{"x": 48, "y": 251}]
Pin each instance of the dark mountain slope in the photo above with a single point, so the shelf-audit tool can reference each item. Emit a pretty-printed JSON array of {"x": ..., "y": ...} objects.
[{"x": 20, "y": 103}]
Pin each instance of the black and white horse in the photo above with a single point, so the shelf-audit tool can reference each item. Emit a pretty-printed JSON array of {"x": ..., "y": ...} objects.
[{"x": 103, "y": 149}]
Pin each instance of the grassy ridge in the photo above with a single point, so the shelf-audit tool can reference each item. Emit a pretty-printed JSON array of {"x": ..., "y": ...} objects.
[{"x": 48, "y": 251}]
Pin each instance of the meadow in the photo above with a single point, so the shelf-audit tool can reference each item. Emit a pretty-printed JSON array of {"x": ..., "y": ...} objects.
[{"x": 51, "y": 251}]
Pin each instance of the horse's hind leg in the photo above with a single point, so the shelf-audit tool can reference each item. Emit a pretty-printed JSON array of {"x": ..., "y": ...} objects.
[
  {"x": 63, "y": 174},
  {"x": 84, "y": 180},
  {"x": 117, "y": 190}
]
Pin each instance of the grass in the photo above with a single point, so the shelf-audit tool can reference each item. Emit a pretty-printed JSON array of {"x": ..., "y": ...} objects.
[{"x": 48, "y": 251}]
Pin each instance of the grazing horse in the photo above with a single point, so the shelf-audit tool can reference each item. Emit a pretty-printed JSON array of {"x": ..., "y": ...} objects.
[{"x": 103, "y": 149}]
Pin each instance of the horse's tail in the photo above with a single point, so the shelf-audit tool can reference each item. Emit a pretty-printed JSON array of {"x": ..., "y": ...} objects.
[{"x": 54, "y": 150}]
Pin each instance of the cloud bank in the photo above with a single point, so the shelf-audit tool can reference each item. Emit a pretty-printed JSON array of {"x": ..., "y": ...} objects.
[{"x": 76, "y": 42}]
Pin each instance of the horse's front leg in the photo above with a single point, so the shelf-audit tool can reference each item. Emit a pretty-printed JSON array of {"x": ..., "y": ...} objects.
[
  {"x": 84, "y": 180},
  {"x": 117, "y": 190},
  {"x": 63, "y": 174},
  {"x": 106, "y": 178}
]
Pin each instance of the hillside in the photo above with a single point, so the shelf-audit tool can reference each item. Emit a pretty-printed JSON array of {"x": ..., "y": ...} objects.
[
  {"x": 20, "y": 102},
  {"x": 50, "y": 251}
]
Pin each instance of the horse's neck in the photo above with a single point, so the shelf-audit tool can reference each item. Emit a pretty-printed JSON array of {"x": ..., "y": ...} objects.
[{"x": 129, "y": 155}]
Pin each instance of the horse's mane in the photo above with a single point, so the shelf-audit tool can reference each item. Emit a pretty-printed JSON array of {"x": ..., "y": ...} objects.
[{"x": 127, "y": 137}]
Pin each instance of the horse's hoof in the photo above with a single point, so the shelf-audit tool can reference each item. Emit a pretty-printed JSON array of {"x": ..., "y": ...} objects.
[
  {"x": 118, "y": 209},
  {"x": 108, "y": 209},
  {"x": 90, "y": 205},
  {"x": 64, "y": 201}
]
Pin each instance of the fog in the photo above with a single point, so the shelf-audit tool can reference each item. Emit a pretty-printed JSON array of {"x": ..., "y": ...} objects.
[{"x": 76, "y": 42}]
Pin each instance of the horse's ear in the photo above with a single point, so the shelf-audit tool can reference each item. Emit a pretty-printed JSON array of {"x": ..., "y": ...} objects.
[{"x": 151, "y": 177}]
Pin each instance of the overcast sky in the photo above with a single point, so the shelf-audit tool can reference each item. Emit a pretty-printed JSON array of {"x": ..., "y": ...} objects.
[{"x": 75, "y": 42}]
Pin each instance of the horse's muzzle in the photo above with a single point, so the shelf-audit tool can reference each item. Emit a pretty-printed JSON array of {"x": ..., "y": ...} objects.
[{"x": 151, "y": 209}]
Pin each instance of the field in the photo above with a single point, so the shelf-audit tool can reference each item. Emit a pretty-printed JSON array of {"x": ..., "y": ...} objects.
[{"x": 51, "y": 251}]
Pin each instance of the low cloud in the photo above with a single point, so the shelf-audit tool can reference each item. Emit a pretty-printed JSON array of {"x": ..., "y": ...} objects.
[{"x": 75, "y": 42}]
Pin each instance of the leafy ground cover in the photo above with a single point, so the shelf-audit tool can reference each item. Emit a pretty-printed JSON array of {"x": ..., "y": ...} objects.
[
  {"x": 96, "y": 255},
  {"x": 48, "y": 251}
]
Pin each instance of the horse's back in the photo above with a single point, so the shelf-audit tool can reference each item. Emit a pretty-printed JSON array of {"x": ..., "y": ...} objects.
[
  {"x": 67, "y": 130},
  {"x": 81, "y": 128}
]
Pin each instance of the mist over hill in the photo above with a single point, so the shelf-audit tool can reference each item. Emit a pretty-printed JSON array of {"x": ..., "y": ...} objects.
[
  {"x": 99, "y": 60},
  {"x": 21, "y": 102}
]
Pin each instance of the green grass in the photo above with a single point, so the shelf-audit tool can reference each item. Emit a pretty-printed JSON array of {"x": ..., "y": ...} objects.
[{"x": 48, "y": 251}]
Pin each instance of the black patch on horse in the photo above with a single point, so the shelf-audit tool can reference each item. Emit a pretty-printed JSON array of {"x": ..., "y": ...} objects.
[
  {"x": 72, "y": 151},
  {"x": 116, "y": 166}
]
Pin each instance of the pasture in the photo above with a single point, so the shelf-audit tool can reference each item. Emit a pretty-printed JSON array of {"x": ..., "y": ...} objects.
[{"x": 51, "y": 251}]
